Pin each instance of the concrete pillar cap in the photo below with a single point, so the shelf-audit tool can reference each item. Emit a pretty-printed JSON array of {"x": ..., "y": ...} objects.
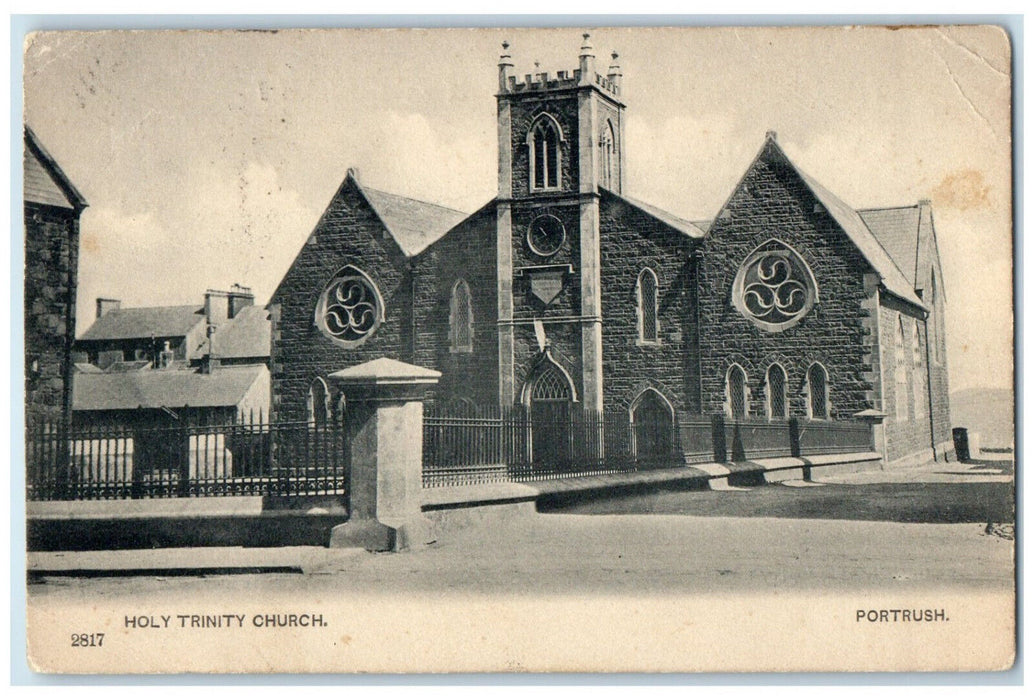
[{"x": 387, "y": 372}]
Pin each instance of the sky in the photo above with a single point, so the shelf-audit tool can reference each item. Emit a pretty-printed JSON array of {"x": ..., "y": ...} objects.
[{"x": 208, "y": 157}]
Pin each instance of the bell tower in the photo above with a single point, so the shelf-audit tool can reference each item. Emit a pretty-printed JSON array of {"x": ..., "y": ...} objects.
[{"x": 561, "y": 139}]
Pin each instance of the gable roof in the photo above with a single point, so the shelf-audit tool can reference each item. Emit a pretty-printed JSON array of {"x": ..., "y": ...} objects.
[
  {"x": 144, "y": 322},
  {"x": 245, "y": 335},
  {"x": 172, "y": 388},
  {"x": 894, "y": 281},
  {"x": 44, "y": 181},
  {"x": 412, "y": 223},
  {"x": 897, "y": 230},
  {"x": 681, "y": 225}
]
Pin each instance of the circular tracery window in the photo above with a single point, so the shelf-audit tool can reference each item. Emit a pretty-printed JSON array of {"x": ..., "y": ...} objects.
[
  {"x": 350, "y": 308},
  {"x": 774, "y": 289}
]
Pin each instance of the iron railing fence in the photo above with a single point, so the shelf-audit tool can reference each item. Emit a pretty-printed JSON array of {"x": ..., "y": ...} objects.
[
  {"x": 261, "y": 458},
  {"x": 481, "y": 445},
  {"x": 832, "y": 437},
  {"x": 247, "y": 458}
]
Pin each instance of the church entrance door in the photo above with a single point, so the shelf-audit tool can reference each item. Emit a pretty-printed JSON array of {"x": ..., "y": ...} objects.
[
  {"x": 654, "y": 432},
  {"x": 550, "y": 419}
]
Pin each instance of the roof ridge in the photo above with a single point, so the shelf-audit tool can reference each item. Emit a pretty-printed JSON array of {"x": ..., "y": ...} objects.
[
  {"x": 900, "y": 206},
  {"x": 160, "y": 306},
  {"x": 367, "y": 188},
  {"x": 645, "y": 207}
]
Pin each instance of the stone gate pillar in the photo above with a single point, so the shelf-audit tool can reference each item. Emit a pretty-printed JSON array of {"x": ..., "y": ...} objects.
[{"x": 384, "y": 400}]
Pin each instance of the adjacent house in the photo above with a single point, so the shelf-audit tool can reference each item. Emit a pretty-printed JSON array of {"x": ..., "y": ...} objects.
[
  {"x": 174, "y": 365},
  {"x": 52, "y": 208}
]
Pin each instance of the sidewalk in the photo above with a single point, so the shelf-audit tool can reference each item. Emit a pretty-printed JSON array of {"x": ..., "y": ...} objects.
[{"x": 192, "y": 561}]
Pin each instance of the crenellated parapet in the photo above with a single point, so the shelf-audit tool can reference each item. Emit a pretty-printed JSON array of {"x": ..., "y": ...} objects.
[{"x": 541, "y": 81}]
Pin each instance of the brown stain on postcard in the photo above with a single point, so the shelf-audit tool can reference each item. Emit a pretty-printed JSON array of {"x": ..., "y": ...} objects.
[{"x": 962, "y": 190}]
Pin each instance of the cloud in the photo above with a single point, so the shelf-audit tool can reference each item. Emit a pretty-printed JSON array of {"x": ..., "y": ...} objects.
[{"x": 231, "y": 227}]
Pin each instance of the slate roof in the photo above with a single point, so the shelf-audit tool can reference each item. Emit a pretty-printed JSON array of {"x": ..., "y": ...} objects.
[
  {"x": 908, "y": 235},
  {"x": 413, "y": 224},
  {"x": 679, "y": 224},
  {"x": 173, "y": 388},
  {"x": 245, "y": 335},
  {"x": 44, "y": 181},
  {"x": 145, "y": 321},
  {"x": 897, "y": 230}
]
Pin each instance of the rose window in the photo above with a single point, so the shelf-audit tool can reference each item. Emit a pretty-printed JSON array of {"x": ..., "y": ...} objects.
[
  {"x": 774, "y": 289},
  {"x": 350, "y": 308}
]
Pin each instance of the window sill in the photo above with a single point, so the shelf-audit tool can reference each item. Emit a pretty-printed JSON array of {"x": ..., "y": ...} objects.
[
  {"x": 648, "y": 343},
  {"x": 461, "y": 351}
]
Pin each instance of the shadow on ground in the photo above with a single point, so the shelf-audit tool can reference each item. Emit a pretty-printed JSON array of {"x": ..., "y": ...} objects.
[{"x": 953, "y": 502}]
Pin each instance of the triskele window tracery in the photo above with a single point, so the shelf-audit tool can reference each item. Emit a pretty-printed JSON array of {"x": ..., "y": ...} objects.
[
  {"x": 350, "y": 308},
  {"x": 774, "y": 288}
]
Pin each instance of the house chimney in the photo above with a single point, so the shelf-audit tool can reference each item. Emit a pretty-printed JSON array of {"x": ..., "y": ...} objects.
[
  {"x": 239, "y": 297},
  {"x": 106, "y": 305},
  {"x": 217, "y": 307}
]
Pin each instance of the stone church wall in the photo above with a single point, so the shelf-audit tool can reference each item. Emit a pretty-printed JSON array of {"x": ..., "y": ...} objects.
[
  {"x": 467, "y": 252},
  {"x": 348, "y": 233},
  {"x": 629, "y": 242},
  {"x": 772, "y": 202}
]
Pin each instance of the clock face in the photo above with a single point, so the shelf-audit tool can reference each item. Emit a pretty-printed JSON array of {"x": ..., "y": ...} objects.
[{"x": 545, "y": 235}]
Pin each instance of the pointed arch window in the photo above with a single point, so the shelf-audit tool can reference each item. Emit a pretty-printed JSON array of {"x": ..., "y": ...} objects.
[
  {"x": 918, "y": 385},
  {"x": 544, "y": 139},
  {"x": 461, "y": 318},
  {"x": 318, "y": 403},
  {"x": 607, "y": 174},
  {"x": 900, "y": 373},
  {"x": 775, "y": 390},
  {"x": 818, "y": 392},
  {"x": 646, "y": 307},
  {"x": 736, "y": 392}
]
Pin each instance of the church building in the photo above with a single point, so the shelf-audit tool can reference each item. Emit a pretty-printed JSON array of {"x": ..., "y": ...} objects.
[{"x": 566, "y": 293}]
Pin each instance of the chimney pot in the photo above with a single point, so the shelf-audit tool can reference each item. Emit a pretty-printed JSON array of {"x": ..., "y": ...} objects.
[{"x": 106, "y": 305}]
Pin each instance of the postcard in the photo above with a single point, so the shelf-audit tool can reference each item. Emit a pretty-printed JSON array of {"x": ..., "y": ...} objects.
[{"x": 601, "y": 349}]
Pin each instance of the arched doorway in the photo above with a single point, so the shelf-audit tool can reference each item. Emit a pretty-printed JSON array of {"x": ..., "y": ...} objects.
[
  {"x": 654, "y": 431},
  {"x": 549, "y": 401}
]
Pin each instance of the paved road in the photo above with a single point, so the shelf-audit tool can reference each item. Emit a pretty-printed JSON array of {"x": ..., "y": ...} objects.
[
  {"x": 932, "y": 493},
  {"x": 629, "y": 591},
  {"x": 763, "y": 538}
]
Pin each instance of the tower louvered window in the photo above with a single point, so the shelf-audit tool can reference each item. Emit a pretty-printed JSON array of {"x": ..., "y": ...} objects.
[
  {"x": 544, "y": 150},
  {"x": 607, "y": 174}
]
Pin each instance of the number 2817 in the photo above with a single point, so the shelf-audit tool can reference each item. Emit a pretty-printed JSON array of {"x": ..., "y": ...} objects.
[{"x": 95, "y": 639}]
